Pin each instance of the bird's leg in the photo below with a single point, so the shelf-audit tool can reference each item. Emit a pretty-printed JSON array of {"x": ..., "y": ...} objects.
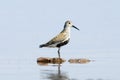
[{"x": 59, "y": 52}]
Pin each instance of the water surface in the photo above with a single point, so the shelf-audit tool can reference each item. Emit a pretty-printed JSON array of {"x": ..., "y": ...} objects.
[{"x": 104, "y": 66}]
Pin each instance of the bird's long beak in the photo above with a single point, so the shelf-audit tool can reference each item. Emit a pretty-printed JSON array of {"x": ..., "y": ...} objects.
[{"x": 75, "y": 27}]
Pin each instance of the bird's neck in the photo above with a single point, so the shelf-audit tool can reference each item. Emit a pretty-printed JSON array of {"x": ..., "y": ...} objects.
[{"x": 67, "y": 30}]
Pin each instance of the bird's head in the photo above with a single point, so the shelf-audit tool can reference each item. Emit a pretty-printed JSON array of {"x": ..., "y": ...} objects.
[{"x": 69, "y": 24}]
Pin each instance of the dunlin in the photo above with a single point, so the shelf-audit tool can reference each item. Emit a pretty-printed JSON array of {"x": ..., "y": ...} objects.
[{"x": 61, "y": 39}]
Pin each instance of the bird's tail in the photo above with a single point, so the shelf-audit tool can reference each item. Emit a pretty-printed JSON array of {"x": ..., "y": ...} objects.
[{"x": 42, "y": 45}]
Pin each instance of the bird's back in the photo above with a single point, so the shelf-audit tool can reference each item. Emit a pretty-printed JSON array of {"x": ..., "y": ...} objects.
[{"x": 59, "y": 39}]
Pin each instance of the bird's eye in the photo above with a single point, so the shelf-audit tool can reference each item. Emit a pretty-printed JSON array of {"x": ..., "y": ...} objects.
[{"x": 69, "y": 23}]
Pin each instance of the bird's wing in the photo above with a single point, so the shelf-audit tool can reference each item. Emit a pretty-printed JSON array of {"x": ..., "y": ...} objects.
[{"x": 57, "y": 39}]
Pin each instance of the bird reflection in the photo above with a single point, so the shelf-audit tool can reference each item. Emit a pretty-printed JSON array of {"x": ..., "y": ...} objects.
[
  {"x": 55, "y": 74},
  {"x": 51, "y": 68}
]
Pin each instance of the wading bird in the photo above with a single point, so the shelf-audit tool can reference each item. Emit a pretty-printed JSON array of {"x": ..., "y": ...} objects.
[{"x": 61, "y": 39}]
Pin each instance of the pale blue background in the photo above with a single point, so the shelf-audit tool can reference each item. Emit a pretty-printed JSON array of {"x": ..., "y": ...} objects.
[
  {"x": 23, "y": 21},
  {"x": 24, "y": 24}
]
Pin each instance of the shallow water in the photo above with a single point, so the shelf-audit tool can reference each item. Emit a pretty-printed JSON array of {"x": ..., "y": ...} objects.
[{"x": 103, "y": 66}]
